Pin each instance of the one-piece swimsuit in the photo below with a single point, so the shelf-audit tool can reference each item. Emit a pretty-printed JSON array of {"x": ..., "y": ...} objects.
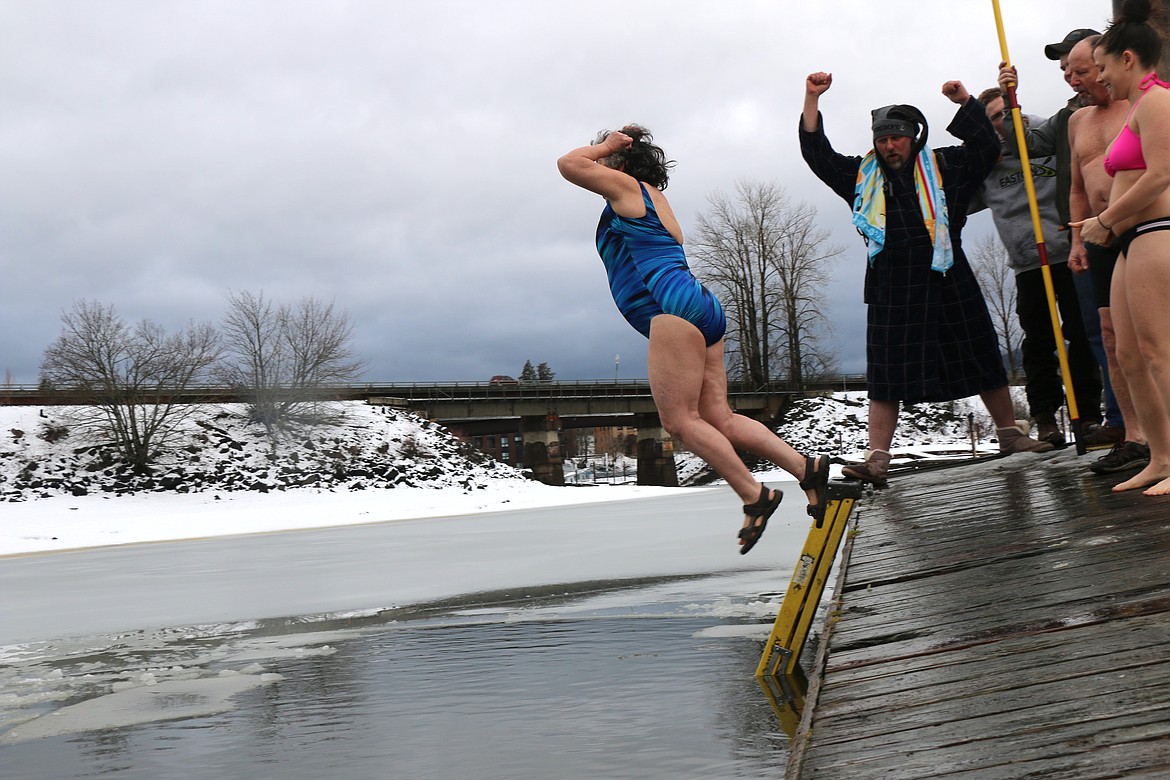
[{"x": 648, "y": 273}]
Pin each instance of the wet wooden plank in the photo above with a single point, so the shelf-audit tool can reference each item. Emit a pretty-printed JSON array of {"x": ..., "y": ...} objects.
[
  {"x": 1009, "y": 620},
  {"x": 999, "y": 667}
]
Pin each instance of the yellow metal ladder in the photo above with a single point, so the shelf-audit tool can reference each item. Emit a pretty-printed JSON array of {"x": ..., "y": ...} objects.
[{"x": 782, "y": 651}]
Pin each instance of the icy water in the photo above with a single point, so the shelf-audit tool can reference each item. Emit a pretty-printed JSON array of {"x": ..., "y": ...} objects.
[{"x": 640, "y": 679}]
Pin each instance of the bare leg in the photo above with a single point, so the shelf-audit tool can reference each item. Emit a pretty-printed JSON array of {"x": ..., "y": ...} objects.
[
  {"x": 883, "y": 421},
  {"x": 677, "y": 363},
  {"x": 689, "y": 385},
  {"x": 744, "y": 433},
  {"x": 1129, "y": 294},
  {"x": 999, "y": 406},
  {"x": 1133, "y": 427}
]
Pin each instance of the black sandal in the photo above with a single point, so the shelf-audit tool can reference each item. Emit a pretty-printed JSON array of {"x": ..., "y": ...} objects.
[
  {"x": 760, "y": 511},
  {"x": 816, "y": 477}
]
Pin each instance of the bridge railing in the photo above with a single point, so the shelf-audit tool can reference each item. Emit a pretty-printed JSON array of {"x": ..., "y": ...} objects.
[{"x": 448, "y": 390}]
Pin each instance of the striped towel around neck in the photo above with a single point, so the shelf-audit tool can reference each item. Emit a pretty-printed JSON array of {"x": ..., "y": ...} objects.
[{"x": 869, "y": 207}]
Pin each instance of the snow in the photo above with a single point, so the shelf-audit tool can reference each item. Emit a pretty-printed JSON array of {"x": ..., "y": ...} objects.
[
  {"x": 61, "y": 522},
  {"x": 406, "y": 469},
  {"x": 222, "y": 455}
]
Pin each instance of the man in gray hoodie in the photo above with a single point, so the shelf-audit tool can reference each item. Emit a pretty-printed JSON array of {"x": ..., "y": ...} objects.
[{"x": 1005, "y": 194}]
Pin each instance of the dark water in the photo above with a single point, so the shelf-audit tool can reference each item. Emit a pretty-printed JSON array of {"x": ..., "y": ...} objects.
[{"x": 632, "y": 687}]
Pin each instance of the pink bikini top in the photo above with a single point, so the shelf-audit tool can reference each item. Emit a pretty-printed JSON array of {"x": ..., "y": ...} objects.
[{"x": 1125, "y": 154}]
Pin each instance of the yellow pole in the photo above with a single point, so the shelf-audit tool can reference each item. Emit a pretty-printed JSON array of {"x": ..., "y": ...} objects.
[{"x": 1026, "y": 165}]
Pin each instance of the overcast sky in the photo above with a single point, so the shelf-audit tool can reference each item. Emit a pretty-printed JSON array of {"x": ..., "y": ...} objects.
[{"x": 399, "y": 158}]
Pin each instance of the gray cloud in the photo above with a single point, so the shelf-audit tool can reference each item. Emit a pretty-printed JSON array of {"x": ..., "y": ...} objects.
[{"x": 400, "y": 158}]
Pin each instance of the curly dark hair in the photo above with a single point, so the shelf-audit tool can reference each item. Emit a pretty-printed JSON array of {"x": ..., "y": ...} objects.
[
  {"x": 644, "y": 160},
  {"x": 1129, "y": 32}
]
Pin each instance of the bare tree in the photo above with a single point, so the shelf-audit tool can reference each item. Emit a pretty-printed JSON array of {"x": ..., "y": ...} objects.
[
  {"x": 993, "y": 269},
  {"x": 130, "y": 378},
  {"x": 766, "y": 260},
  {"x": 803, "y": 262},
  {"x": 732, "y": 250},
  {"x": 281, "y": 358}
]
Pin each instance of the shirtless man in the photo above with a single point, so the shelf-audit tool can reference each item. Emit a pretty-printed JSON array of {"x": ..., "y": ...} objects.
[{"x": 1090, "y": 131}]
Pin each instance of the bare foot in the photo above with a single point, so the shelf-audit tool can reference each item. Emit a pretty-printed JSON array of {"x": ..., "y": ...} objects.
[
  {"x": 1160, "y": 489},
  {"x": 1148, "y": 476}
]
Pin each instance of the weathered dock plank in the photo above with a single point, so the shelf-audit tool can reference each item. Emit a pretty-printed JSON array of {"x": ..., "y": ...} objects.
[{"x": 1009, "y": 619}]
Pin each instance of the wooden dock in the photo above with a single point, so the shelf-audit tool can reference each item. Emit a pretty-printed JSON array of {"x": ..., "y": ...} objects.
[{"x": 1007, "y": 619}]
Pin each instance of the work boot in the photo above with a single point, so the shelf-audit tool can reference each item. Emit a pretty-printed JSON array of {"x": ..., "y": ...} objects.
[
  {"x": 874, "y": 470},
  {"x": 1047, "y": 430},
  {"x": 1125, "y": 456},
  {"x": 1098, "y": 437},
  {"x": 1014, "y": 440}
]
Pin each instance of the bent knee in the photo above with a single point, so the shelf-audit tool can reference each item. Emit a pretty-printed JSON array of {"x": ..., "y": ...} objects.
[
  {"x": 677, "y": 424},
  {"x": 718, "y": 416}
]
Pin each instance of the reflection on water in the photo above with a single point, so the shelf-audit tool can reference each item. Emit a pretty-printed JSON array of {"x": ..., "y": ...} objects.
[
  {"x": 786, "y": 695},
  {"x": 543, "y": 694}
]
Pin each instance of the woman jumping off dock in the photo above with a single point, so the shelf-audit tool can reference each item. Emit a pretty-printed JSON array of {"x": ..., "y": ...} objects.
[{"x": 640, "y": 243}]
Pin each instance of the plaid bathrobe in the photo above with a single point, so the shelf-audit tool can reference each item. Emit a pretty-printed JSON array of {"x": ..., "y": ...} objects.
[{"x": 929, "y": 336}]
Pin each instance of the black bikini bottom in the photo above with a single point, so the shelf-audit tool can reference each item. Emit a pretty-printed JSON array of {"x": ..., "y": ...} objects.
[{"x": 1126, "y": 238}]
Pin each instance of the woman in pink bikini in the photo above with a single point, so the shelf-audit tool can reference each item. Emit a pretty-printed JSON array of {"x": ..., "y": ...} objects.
[{"x": 1138, "y": 218}]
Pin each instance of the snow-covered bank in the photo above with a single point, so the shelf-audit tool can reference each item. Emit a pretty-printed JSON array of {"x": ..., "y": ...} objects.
[
  {"x": 370, "y": 465},
  {"x": 46, "y": 451}
]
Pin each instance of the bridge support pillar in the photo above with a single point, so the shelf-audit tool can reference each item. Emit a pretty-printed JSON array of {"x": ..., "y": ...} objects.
[
  {"x": 655, "y": 452},
  {"x": 542, "y": 448}
]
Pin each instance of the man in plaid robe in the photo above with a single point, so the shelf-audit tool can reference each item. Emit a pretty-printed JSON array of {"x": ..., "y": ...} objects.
[{"x": 929, "y": 336}]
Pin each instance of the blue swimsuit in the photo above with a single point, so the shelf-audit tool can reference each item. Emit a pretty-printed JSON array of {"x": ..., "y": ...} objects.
[{"x": 648, "y": 273}]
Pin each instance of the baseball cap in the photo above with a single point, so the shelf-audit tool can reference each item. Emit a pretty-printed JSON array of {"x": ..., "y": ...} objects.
[{"x": 1054, "y": 51}]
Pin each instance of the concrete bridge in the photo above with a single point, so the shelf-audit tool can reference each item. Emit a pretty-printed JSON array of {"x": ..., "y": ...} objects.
[{"x": 540, "y": 411}]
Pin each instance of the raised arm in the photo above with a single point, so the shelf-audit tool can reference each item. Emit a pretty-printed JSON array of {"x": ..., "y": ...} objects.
[
  {"x": 834, "y": 169},
  {"x": 981, "y": 144},
  {"x": 1041, "y": 138},
  {"x": 815, "y": 85},
  {"x": 956, "y": 92},
  {"x": 581, "y": 166}
]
